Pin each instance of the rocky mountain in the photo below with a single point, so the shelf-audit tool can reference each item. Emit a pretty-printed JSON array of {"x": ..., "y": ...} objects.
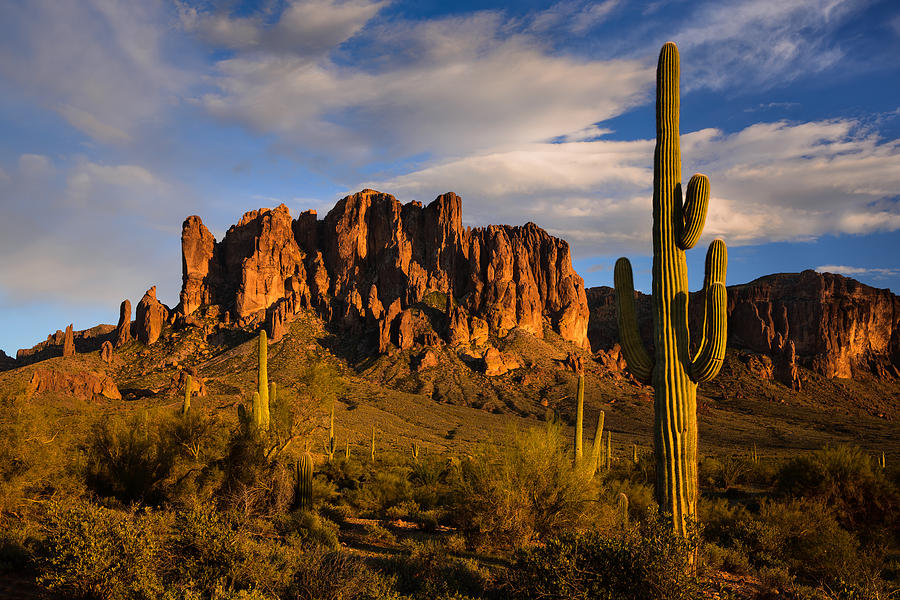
[
  {"x": 833, "y": 325},
  {"x": 390, "y": 276},
  {"x": 371, "y": 259}
]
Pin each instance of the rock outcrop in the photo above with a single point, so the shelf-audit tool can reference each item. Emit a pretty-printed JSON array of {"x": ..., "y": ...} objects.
[
  {"x": 833, "y": 325},
  {"x": 87, "y": 340},
  {"x": 69, "y": 342},
  {"x": 372, "y": 258},
  {"x": 149, "y": 318},
  {"x": 84, "y": 385},
  {"x": 6, "y": 362},
  {"x": 123, "y": 329},
  {"x": 106, "y": 352}
]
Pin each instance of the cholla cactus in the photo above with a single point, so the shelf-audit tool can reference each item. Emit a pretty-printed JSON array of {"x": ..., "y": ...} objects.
[{"x": 673, "y": 371}]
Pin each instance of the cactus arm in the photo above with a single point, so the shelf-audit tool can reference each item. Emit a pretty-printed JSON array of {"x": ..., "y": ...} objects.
[
  {"x": 711, "y": 352},
  {"x": 597, "y": 448},
  {"x": 639, "y": 362},
  {"x": 694, "y": 211}
]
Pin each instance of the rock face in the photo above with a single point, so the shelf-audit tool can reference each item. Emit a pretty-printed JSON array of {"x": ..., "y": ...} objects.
[
  {"x": 833, "y": 325},
  {"x": 372, "y": 258},
  {"x": 69, "y": 342},
  {"x": 123, "y": 329},
  {"x": 150, "y": 316},
  {"x": 84, "y": 385}
]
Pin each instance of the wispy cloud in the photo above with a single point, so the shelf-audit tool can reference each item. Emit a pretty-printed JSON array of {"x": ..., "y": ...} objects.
[
  {"x": 98, "y": 63},
  {"x": 875, "y": 273},
  {"x": 82, "y": 232},
  {"x": 770, "y": 182},
  {"x": 442, "y": 87}
]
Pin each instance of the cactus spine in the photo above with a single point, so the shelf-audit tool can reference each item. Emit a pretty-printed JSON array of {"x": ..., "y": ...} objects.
[
  {"x": 262, "y": 421},
  {"x": 579, "y": 420},
  {"x": 597, "y": 447},
  {"x": 304, "y": 474},
  {"x": 186, "y": 405},
  {"x": 672, "y": 370}
]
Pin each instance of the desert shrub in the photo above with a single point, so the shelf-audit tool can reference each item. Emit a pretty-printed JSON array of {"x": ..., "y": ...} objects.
[
  {"x": 648, "y": 562},
  {"x": 509, "y": 494},
  {"x": 324, "y": 574},
  {"x": 804, "y": 537},
  {"x": 129, "y": 460},
  {"x": 384, "y": 488},
  {"x": 428, "y": 570},
  {"x": 310, "y": 529},
  {"x": 845, "y": 478},
  {"x": 194, "y": 435},
  {"x": 99, "y": 553},
  {"x": 252, "y": 482},
  {"x": 732, "y": 560},
  {"x": 205, "y": 548}
]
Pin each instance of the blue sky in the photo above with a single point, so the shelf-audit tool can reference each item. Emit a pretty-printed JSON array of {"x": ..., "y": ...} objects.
[{"x": 118, "y": 119}]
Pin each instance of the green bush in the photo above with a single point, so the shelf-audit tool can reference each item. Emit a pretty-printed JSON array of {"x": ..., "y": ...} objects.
[
  {"x": 324, "y": 574},
  {"x": 845, "y": 478},
  {"x": 99, "y": 553},
  {"x": 508, "y": 495},
  {"x": 129, "y": 460},
  {"x": 429, "y": 571},
  {"x": 206, "y": 548},
  {"x": 649, "y": 562}
]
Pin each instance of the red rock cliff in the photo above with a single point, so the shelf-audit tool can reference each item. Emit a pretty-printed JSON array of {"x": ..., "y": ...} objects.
[
  {"x": 839, "y": 327},
  {"x": 371, "y": 253}
]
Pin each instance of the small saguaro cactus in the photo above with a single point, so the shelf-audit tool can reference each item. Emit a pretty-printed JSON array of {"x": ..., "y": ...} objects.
[
  {"x": 672, "y": 370},
  {"x": 634, "y": 454},
  {"x": 304, "y": 477},
  {"x": 597, "y": 447},
  {"x": 347, "y": 450},
  {"x": 754, "y": 457},
  {"x": 623, "y": 508},
  {"x": 579, "y": 420},
  {"x": 415, "y": 451},
  {"x": 373, "y": 443},
  {"x": 882, "y": 462},
  {"x": 186, "y": 405},
  {"x": 330, "y": 444},
  {"x": 608, "y": 450},
  {"x": 263, "y": 384}
]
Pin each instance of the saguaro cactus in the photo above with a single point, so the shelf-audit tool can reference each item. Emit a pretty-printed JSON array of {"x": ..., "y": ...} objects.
[
  {"x": 622, "y": 501},
  {"x": 672, "y": 370},
  {"x": 304, "y": 475},
  {"x": 579, "y": 420},
  {"x": 186, "y": 405},
  {"x": 597, "y": 447},
  {"x": 263, "y": 384}
]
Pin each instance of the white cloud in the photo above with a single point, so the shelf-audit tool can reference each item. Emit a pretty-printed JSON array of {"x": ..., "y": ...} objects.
[
  {"x": 308, "y": 28},
  {"x": 82, "y": 232},
  {"x": 875, "y": 273},
  {"x": 98, "y": 63},
  {"x": 770, "y": 182},
  {"x": 740, "y": 43},
  {"x": 444, "y": 87}
]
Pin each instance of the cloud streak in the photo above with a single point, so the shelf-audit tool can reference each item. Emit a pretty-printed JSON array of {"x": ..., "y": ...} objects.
[{"x": 770, "y": 182}]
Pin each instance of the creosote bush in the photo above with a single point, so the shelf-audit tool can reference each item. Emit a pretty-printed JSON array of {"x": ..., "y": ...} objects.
[
  {"x": 510, "y": 494},
  {"x": 647, "y": 562}
]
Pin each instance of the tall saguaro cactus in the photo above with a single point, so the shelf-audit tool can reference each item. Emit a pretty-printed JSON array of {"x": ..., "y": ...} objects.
[
  {"x": 673, "y": 371},
  {"x": 263, "y": 383}
]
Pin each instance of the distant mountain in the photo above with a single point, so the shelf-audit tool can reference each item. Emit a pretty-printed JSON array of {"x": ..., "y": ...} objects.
[{"x": 833, "y": 325}]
